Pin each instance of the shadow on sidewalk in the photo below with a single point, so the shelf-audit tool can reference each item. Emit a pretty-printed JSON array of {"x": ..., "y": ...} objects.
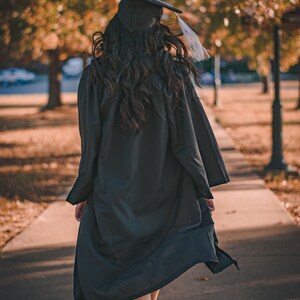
[
  {"x": 269, "y": 260},
  {"x": 36, "y": 274}
]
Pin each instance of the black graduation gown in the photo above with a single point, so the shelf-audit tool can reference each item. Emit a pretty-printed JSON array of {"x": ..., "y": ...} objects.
[{"x": 146, "y": 220}]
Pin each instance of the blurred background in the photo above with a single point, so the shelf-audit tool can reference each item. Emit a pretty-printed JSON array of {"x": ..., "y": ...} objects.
[{"x": 251, "y": 83}]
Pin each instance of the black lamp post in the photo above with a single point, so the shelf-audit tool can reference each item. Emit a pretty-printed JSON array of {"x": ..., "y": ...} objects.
[
  {"x": 290, "y": 20},
  {"x": 277, "y": 162}
]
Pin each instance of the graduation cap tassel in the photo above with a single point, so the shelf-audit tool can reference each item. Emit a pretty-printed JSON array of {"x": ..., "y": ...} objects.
[{"x": 198, "y": 52}]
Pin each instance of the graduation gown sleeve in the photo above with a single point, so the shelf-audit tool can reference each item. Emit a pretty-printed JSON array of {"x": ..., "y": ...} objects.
[
  {"x": 207, "y": 144},
  {"x": 184, "y": 144},
  {"x": 90, "y": 134},
  {"x": 193, "y": 141}
]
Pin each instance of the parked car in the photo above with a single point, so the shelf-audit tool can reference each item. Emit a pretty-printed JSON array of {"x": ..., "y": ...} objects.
[
  {"x": 16, "y": 75},
  {"x": 73, "y": 67},
  {"x": 207, "y": 78},
  {"x": 7, "y": 78},
  {"x": 240, "y": 77}
]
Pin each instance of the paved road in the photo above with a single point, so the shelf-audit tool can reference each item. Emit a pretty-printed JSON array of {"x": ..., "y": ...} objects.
[
  {"x": 69, "y": 85},
  {"x": 250, "y": 222},
  {"x": 39, "y": 86}
]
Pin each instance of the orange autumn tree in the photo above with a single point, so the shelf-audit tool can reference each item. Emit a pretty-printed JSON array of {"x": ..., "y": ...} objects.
[
  {"x": 13, "y": 27},
  {"x": 222, "y": 29},
  {"x": 51, "y": 31}
]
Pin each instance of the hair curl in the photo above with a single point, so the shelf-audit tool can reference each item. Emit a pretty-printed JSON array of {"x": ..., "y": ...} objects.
[{"x": 126, "y": 60}]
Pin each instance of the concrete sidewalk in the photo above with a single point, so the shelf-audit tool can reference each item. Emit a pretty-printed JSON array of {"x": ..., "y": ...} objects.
[{"x": 250, "y": 222}]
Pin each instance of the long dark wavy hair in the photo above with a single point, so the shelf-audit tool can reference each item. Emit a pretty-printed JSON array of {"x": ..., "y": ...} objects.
[{"x": 125, "y": 61}]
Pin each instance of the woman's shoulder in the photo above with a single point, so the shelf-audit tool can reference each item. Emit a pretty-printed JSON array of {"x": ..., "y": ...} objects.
[
  {"x": 85, "y": 74},
  {"x": 89, "y": 74}
]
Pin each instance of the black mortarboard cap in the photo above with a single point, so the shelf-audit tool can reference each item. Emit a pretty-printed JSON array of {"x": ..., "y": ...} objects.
[{"x": 137, "y": 14}]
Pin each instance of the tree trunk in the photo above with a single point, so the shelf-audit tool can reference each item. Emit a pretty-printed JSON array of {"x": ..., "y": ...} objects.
[
  {"x": 265, "y": 87},
  {"x": 55, "y": 76},
  {"x": 298, "y": 104},
  {"x": 217, "y": 78}
]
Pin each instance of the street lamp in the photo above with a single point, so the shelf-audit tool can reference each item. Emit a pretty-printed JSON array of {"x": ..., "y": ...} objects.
[
  {"x": 277, "y": 162},
  {"x": 290, "y": 20}
]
